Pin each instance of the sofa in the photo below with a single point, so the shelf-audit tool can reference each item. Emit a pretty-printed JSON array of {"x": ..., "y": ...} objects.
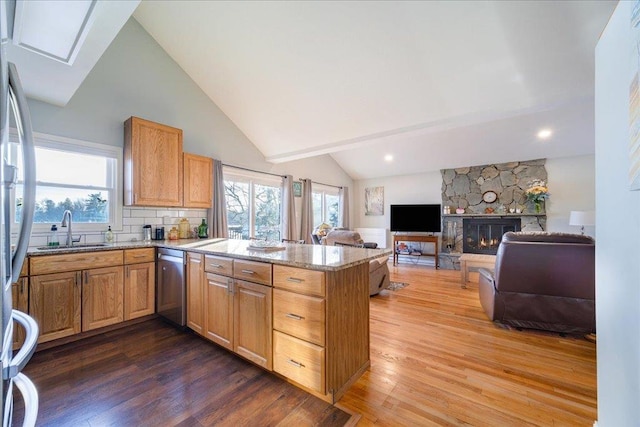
[
  {"x": 378, "y": 268},
  {"x": 542, "y": 281}
]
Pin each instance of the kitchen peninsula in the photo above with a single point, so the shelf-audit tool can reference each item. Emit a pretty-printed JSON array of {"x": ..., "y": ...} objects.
[{"x": 301, "y": 312}]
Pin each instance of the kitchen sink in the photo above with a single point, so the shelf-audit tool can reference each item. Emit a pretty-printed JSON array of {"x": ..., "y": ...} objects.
[{"x": 78, "y": 246}]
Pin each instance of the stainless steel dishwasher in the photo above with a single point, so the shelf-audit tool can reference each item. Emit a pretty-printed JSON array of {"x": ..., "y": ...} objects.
[{"x": 171, "y": 292}]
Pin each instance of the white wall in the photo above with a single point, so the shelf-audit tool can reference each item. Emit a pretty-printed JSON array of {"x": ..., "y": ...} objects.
[
  {"x": 136, "y": 77},
  {"x": 572, "y": 186},
  {"x": 618, "y": 224},
  {"x": 405, "y": 189},
  {"x": 571, "y": 181}
]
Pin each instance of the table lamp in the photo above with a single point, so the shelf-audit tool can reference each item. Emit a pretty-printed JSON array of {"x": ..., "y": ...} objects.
[{"x": 582, "y": 219}]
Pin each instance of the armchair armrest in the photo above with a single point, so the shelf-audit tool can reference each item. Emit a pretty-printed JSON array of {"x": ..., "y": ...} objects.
[
  {"x": 487, "y": 292},
  {"x": 487, "y": 275}
]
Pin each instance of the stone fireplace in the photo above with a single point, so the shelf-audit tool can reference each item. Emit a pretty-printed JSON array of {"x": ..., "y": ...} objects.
[
  {"x": 463, "y": 191},
  {"x": 483, "y": 235}
]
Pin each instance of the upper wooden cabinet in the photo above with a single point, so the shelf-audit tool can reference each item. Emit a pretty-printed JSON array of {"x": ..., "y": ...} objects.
[
  {"x": 153, "y": 164},
  {"x": 198, "y": 181}
]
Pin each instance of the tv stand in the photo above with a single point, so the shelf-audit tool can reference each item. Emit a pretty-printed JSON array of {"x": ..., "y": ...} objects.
[{"x": 415, "y": 238}]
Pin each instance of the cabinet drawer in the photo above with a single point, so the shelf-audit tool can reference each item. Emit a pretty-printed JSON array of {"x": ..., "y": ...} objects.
[
  {"x": 73, "y": 262},
  {"x": 299, "y": 280},
  {"x": 218, "y": 265},
  {"x": 299, "y": 361},
  {"x": 257, "y": 272},
  {"x": 134, "y": 256},
  {"x": 299, "y": 315}
]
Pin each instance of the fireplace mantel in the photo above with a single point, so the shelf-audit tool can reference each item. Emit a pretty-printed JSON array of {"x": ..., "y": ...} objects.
[{"x": 493, "y": 215}]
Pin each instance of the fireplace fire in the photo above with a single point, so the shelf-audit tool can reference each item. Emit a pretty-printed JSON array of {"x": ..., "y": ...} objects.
[{"x": 483, "y": 235}]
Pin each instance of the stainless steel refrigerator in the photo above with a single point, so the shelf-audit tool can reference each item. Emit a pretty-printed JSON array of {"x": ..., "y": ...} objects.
[{"x": 14, "y": 111}]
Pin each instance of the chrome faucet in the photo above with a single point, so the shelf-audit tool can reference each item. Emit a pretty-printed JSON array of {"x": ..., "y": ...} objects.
[{"x": 66, "y": 214}]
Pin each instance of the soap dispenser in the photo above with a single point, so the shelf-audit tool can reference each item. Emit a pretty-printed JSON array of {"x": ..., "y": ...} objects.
[
  {"x": 53, "y": 237},
  {"x": 108, "y": 236}
]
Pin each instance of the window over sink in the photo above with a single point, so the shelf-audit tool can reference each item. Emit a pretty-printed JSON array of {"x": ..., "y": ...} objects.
[{"x": 76, "y": 175}]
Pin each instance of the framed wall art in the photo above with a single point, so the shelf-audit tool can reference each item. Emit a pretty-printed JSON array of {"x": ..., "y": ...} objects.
[
  {"x": 297, "y": 189},
  {"x": 374, "y": 201}
]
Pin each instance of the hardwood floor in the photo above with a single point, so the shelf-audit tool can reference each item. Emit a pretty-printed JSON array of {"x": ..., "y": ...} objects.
[
  {"x": 152, "y": 374},
  {"x": 436, "y": 359}
]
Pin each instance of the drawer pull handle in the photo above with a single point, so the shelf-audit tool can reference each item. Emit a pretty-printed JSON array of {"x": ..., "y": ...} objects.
[
  {"x": 294, "y": 280},
  {"x": 296, "y": 364},
  {"x": 294, "y": 316},
  {"x": 215, "y": 265},
  {"x": 248, "y": 271}
]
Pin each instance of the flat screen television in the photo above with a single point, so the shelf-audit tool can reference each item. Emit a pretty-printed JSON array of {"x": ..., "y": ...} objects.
[{"x": 416, "y": 218}]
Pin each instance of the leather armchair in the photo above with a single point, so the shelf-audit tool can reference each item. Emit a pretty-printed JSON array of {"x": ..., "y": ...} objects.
[
  {"x": 378, "y": 268},
  {"x": 542, "y": 281},
  {"x": 347, "y": 237}
]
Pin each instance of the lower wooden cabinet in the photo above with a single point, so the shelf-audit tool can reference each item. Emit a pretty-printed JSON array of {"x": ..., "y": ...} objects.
[
  {"x": 139, "y": 290},
  {"x": 20, "y": 297},
  {"x": 102, "y": 297},
  {"x": 321, "y": 327},
  {"x": 237, "y": 314},
  {"x": 195, "y": 292},
  {"x": 252, "y": 322},
  {"x": 93, "y": 296},
  {"x": 219, "y": 310},
  {"x": 300, "y": 361},
  {"x": 54, "y": 302}
]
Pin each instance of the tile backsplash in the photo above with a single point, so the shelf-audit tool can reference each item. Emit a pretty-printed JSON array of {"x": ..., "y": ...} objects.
[{"x": 133, "y": 218}]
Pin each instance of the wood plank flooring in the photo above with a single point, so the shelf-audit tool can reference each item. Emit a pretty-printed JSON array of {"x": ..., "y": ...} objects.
[
  {"x": 152, "y": 374},
  {"x": 436, "y": 359}
]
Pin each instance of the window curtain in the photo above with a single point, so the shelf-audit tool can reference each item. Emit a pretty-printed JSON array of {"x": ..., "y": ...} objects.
[
  {"x": 288, "y": 212},
  {"x": 344, "y": 206},
  {"x": 306, "y": 217},
  {"x": 218, "y": 212}
]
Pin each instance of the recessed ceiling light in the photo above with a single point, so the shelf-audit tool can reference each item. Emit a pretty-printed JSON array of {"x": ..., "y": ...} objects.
[
  {"x": 545, "y": 133},
  {"x": 388, "y": 158}
]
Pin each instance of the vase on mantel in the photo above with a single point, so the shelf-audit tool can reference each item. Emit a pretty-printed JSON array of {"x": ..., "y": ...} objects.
[{"x": 538, "y": 206}]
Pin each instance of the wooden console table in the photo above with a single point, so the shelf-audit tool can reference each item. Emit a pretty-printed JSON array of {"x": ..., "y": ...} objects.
[{"x": 415, "y": 238}]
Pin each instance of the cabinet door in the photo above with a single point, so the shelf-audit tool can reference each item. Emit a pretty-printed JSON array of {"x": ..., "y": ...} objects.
[
  {"x": 139, "y": 290},
  {"x": 198, "y": 181},
  {"x": 153, "y": 164},
  {"x": 54, "y": 302},
  {"x": 102, "y": 297},
  {"x": 195, "y": 292},
  {"x": 252, "y": 322},
  {"x": 219, "y": 310},
  {"x": 20, "y": 296}
]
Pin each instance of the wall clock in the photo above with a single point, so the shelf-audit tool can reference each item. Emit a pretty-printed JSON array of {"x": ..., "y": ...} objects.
[{"x": 489, "y": 196}]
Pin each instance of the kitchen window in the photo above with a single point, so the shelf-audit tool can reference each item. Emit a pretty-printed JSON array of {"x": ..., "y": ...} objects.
[
  {"x": 75, "y": 175},
  {"x": 326, "y": 205},
  {"x": 253, "y": 205}
]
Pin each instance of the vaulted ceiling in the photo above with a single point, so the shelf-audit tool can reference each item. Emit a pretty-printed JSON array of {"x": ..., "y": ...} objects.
[{"x": 433, "y": 84}]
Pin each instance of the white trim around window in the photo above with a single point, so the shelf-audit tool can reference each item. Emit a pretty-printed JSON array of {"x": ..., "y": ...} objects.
[{"x": 113, "y": 186}]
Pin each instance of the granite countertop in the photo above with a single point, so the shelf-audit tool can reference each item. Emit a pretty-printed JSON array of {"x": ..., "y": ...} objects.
[
  {"x": 315, "y": 257},
  {"x": 178, "y": 244}
]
